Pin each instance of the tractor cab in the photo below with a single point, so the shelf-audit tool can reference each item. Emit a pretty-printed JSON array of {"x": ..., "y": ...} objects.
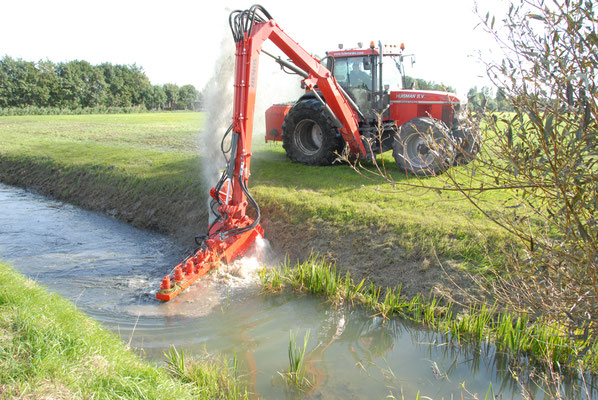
[{"x": 370, "y": 75}]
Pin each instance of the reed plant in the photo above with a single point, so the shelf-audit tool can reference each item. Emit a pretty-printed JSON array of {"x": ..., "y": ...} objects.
[
  {"x": 518, "y": 334},
  {"x": 296, "y": 376}
]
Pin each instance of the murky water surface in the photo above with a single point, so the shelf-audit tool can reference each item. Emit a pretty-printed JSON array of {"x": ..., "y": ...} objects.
[{"x": 111, "y": 271}]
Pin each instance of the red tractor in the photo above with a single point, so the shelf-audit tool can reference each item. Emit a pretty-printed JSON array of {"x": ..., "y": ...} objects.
[
  {"x": 421, "y": 127},
  {"x": 338, "y": 111}
]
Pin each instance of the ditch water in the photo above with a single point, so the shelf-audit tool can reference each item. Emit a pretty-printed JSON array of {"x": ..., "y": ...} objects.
[{"x": 111, "y": 270}]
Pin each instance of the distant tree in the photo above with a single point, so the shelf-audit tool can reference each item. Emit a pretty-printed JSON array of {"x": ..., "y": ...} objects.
[
  {"x": 188, "y": 97},
  {"x": 502, "y": 101},
  {"x": 20, "y": 84},
  {"x": 49, "y": 84},
  {"x": 80, "y": 85},
  {"x": 155, "y": 98},
  {"x": 136, "y": 83},
  {"x": 115, "y": 95},
  {"x": 6, "y": 82},
  {"x": 485, "y": 99},
  {"x": 172, "y": 95}
]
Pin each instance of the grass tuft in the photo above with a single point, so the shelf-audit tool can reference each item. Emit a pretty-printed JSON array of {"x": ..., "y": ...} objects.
[
  {"x": 296, "y": 375},
  {"x": 211, "y": 377}
]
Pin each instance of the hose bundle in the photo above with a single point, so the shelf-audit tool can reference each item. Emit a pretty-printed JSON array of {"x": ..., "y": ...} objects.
[
  {"x": 227, "y": 174},
  {"x": 241, "y": 21}
]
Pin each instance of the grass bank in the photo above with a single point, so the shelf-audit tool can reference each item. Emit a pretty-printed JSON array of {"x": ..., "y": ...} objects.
[
  {"x": 145, "y": 169},
  {"x": 49, "y": 349}
]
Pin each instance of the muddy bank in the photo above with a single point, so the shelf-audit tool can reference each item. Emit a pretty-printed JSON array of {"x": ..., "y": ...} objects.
[{"x": 179, "y": 210}]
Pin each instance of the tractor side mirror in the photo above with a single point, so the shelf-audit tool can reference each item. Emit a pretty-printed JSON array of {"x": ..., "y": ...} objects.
[{"x": 366, "y": 64}]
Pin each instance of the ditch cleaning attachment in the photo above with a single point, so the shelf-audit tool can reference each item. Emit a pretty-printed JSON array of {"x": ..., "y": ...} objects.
[{"x": 233, "y": 232}]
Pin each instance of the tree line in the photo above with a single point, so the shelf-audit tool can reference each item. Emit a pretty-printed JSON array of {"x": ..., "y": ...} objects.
[{"x": 78, "y": 84}]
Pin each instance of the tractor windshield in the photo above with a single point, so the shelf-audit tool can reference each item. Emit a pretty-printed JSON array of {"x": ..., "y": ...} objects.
[
  {"x": 356, "y": 72},
  {"x": 353, "y": 72}
]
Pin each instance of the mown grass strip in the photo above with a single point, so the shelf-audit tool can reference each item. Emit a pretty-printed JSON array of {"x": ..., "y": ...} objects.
[
  {"x": 49, "y": 349},
  {"x": 518, "y": 334}
]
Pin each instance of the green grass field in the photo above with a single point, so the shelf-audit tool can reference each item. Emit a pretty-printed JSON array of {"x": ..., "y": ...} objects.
[{"x": 159, "y": 151}]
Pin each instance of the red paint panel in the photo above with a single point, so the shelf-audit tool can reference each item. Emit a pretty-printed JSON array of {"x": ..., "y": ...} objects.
[
  {"x": 408, "y": 104},
  {"x": 274, "y": 119}
]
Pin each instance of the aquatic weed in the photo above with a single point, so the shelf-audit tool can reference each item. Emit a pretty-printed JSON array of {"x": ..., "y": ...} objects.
[{"x": 296, "y": 375}]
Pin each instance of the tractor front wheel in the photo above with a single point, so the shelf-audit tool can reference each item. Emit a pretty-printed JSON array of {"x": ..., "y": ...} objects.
[
  {"x": 467, "y": 144},
  {"x": 423, "y": 147},
  {"x": 309, "y": 135}
]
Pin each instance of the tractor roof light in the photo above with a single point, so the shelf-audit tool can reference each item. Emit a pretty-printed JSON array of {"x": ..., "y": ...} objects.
[
  {"x": 340, "y": 46},
  {"x": 402, "y": 46},
  {"x": 372, "y": 44}
]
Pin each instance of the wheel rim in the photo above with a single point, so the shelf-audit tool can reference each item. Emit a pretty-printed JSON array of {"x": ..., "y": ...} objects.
[
  {"x": 421, "y": 154},
  {"x": 308, "y": 136}
]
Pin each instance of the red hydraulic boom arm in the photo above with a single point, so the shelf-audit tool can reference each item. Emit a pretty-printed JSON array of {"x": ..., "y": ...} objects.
[{"x": 233, "y": 232}]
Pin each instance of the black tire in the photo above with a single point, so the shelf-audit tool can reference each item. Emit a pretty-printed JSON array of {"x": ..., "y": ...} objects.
[
  {"x": 467, "y": 145},
  {"x": 309, "y": 135},
  {"x": 424, "y": 147}
]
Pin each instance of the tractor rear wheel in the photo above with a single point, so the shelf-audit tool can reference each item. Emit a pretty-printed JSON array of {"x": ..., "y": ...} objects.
[
  {"x": 309, "y": 135},
  {"x": 424, "y": 147}
]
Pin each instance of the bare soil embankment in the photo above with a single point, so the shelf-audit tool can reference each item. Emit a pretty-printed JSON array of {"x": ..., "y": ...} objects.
[{"x": 365, "y": 251}]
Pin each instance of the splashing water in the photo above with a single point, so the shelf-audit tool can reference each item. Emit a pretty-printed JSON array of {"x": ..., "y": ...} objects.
[
  {"x": 218, "y": 103},
  {"x": 243, "y": 272},
  {"x": 274, "y": 86}
]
